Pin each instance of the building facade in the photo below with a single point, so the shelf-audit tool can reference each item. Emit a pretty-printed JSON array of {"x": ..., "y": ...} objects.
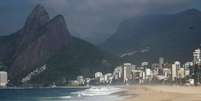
[{"x": 3, "y": 78}]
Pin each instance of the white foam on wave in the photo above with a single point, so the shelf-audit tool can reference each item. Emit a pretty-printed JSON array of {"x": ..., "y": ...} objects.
[
  {"x": 65, "y": 97},
  {"x": 97, "y": 91},
  {"x": 59, "y": 97}
]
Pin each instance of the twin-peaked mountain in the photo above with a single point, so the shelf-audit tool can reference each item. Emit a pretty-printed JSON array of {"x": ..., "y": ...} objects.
[
  {"x": 145, "y": 38},
  {"x": 45, "y": 41}
]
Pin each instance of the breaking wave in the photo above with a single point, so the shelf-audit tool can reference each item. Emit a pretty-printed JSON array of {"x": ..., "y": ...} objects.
[{"x": 97, "y": 91}]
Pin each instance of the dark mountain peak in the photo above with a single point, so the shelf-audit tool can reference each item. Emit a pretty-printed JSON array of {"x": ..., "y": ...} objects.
[
  {"x": 56, "y": 28},
  {"x": 58, "y": 24},
  {"x": 39, "y": 6},
  {"x": 59, "y": 20},
  {"x": 37, "y": 18}
]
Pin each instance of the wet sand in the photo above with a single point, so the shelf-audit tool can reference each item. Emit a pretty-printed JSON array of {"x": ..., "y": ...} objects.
[{"x": 161, "y": 93}]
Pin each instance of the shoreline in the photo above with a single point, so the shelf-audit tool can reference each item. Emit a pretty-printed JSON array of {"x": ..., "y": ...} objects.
[
  {"x": 70, "y": 87},
  {"x": 161, "y": 93}
]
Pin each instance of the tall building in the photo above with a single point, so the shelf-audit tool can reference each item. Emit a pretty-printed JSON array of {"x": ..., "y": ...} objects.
[
  {"x": 174, "y": 72},
  {"x": 197, "y": 57},
  {"x": 161, "y": 62},
  {"x": 117, "y": 72},
  {"x": 148, "y": 74},
  {"x": 166, "y": 72},
  {"x": 197, "y": 66},
  {"x": 188, "y": 68},
  {"x": 3, "y": 78},
  {"x": 175, "y": 68},
  {"x": 126, "y": 71}
]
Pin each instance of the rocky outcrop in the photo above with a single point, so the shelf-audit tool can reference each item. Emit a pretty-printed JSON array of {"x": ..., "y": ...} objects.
[
  {"x": 38, "y": 18},
  {"x": 38, "y": 40}
]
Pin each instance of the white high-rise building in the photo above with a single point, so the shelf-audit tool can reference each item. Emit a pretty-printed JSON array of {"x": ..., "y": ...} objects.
[
  {"x": 175, "y": 68},
  {"x": 187, "y": 67},
  {"x": 174, "y": 72},
  {"x": 126, "y": 70},
  {"x": 197, "y": 63},
  {"x": 161, "y": 62},
  {"x": 3, "y": 78},
  {"x": 166, "y": 72},
  {"x": 117, "y": 72},
  {"x": 197, "y": 57},
  {"x": 148, "y": 74}
]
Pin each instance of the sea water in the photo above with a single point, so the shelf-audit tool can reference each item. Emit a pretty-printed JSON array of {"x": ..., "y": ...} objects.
[{"x": 100, "y": 93}]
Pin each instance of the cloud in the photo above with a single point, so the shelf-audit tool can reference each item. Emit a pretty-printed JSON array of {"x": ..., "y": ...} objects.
[{"x": 103, "y": 16}]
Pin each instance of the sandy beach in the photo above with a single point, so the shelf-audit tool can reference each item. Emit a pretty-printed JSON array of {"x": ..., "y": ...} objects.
[{"x": 162, "y": 93}]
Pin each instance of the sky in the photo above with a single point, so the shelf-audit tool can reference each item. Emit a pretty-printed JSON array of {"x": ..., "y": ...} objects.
[{"x": 88, "y": 17}]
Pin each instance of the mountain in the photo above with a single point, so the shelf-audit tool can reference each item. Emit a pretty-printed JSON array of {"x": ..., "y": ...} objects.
[
  {"x": 47, "y": 42},
  {"x": 173, "y": 36}
]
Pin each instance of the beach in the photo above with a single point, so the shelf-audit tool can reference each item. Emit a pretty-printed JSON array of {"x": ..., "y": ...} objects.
[{"x": 161, "y": 93}]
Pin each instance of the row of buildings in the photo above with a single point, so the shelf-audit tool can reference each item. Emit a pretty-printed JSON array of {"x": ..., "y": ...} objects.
[
  {"x": 161, "y": 72},
  {"x": 146, "y": 73},
  {"x": 187, "y": 73}
]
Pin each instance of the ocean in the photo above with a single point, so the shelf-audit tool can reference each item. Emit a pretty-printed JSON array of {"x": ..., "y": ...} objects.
[{"x": 99, "y": 93}]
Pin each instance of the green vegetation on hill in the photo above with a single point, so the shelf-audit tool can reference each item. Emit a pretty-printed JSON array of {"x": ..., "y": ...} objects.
[
  {"x": 79, "y": 58},
  {"x": 172, "y": 36}
]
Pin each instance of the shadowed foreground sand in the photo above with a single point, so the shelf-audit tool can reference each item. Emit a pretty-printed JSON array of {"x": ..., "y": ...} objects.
[{"x": 162, "y": 93}]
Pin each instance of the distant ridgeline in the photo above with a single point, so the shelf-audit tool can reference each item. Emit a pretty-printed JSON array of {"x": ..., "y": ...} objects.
[
  {"x": 44, "y": 41},
  {"x": 146, "y": 38}
]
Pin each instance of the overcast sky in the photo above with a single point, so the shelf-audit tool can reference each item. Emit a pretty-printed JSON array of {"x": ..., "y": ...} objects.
[{"x": 88, "y": 16}]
